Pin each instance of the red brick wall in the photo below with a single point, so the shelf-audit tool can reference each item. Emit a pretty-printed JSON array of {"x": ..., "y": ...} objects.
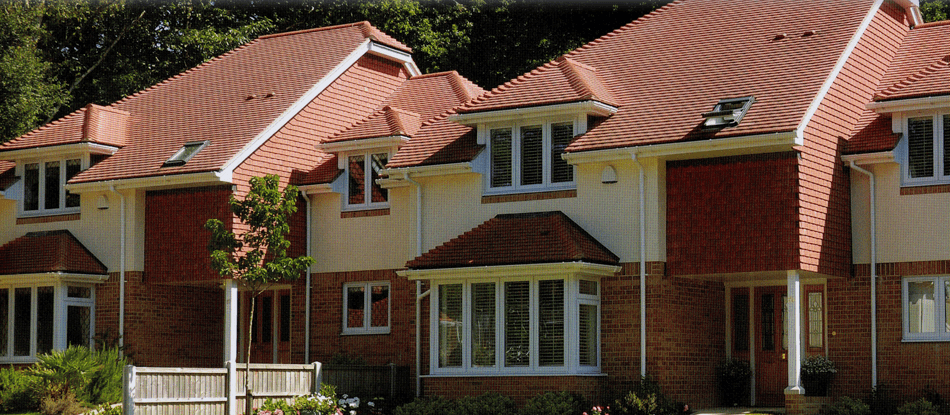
[
  {"x": 906, "y": 369},
  {"x": 176, "y": 242},
  {"x": 165, "y": 325},
  {"x": 732, "y": 214}
]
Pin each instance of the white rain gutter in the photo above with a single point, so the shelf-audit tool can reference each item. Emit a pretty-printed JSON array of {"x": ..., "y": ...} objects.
[
  {"x": 870, "y": 175},
  {"x": 121, "y": 266},
  {"x": 643, "y": 273},
  {"x": 419, "y": 294},
  {"x": 306, "y": 330}
]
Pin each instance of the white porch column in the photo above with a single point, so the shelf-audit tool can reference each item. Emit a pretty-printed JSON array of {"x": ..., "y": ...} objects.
[
  {"x": 231, "y": 341},
  {"x": 793, "y": 305}
]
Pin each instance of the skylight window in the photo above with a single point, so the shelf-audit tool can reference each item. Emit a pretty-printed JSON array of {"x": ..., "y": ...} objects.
[
  {"x": 728, "y": 112},
  {"x": 184, "y": 154}
]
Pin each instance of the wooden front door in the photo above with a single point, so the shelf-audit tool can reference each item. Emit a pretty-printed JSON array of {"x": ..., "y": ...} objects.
[
  {"x": 771, "y": 346},
  {"x": 270, "y": 333}
]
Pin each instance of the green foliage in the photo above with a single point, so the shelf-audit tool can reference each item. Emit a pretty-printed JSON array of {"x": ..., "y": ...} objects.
[
  {"x": 78, "y": 374},
  {"x": 487, "y": 404},
  {"x": 733, "y": 377},
  {"x": 918, "y": 407},
  {"x": 554, "y": 403},
  {"x": 434, "y": 405},
  {"x": 645, "y": 399},
  {"x": 105, "y": 382},
  {"x": 848, "y": 406},
  {"x": 935, "y": 10},
  {"x": 880, "y": 401},
  {"x": 17, "y": 391},
  {"x": 818, "y": 365},
  {"x": 65, "y": 404}
]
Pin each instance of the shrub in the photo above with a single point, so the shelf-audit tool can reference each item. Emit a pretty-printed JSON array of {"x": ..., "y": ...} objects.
[
  {"x": 645, "y": 399},
  {"x": 65, "y": 404},
  {"x": 918, "y": 407},
  {"x": 426, "y": 406},
  {"x": 487, "y": 404},
  {"x": 105, "y": 382},
  {"x": 63, "y": 373},
  {"x": 734, "y": 376},
  {"x": 554, "y": 403},
  {"x": 880, "y": 401},
  {"x": 17, "y": 391},
  {"x": 849, "y": 406}
]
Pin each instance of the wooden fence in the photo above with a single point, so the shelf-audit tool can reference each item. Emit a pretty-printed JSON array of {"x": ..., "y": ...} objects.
[{"x": 166, "y": 391}]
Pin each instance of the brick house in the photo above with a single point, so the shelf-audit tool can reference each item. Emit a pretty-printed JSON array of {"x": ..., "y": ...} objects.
[{"x": 718, "y": 179}]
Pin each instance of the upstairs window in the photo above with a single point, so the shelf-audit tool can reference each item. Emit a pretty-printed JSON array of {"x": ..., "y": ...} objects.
[
  {"x": 528, "y": 157},
  {"x": 362, "y": 191},
  {"x": 926, "y": 152},
  {"x": 43, "y": 186}
]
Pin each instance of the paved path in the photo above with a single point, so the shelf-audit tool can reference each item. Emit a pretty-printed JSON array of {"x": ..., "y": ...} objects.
[{"x": 732, "y": 411}]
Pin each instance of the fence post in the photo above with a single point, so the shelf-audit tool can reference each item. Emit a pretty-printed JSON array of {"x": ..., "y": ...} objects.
[
  {"x": 128, "y": 386},
  {"x": 317, "y": 381},
  {"x": 231, "y": 381}
]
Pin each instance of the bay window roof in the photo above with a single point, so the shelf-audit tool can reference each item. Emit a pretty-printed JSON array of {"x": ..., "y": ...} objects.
[{"x": 48, "y": 252}]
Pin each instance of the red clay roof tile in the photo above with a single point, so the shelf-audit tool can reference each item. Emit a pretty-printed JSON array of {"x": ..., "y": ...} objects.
[
  {"x": 386, "y": 122},
  {"x": 49, "y": 251},
  {"x": 871, "y": 134},
  {"x": 523, "y": 238},
  {"x": 921, "y": 67}
]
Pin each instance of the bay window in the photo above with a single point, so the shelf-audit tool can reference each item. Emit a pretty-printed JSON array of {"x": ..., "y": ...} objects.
[
  {"x": 527, "y": 157},
  {"x": 30, "y": 317},
  {"x": 926, "y": 150},
  {"x": 362, "y": 191},
  {"x": 516, "y": 326},
  {"x": 926, "y": 308},
  {"x": 43, "y": 187}
]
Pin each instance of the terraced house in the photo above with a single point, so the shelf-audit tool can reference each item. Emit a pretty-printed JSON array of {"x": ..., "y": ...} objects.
[{"x": 718, "y": 179}]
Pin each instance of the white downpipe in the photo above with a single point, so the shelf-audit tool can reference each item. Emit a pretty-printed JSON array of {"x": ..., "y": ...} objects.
[
  {"x": 121, "y": 266},
  {"x": 643, "y": 274},
  {"x": 419, "y": 294},
  {"x": 306, "y": 326},
  {"x": 873, "y": 273}
]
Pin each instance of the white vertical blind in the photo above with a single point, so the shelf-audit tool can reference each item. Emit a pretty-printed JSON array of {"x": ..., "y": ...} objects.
[
  {"x": 920, "y": 147},
  {"x": 501, "y": 157},
  {"x": 532, "y": 155}
]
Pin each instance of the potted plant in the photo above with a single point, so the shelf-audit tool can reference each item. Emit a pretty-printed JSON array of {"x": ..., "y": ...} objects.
[
  {"x": 817, "y": 372},
  {"x": 734, "y": 377}
]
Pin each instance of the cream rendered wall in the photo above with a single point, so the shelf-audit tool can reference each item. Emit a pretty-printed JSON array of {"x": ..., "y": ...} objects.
[{"x": 909, "y": 227}]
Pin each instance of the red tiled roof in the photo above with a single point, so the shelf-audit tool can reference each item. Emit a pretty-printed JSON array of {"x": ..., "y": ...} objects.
[
  {"x": 523, "y": 238},
  {"x": 871, "y": 134},
  {"x": 559, "y": 81},
  {"x": 7, "y": 174},
  {"x": 326, "y": 171},
  {"x": 49, "y": 251},
  {"x": 386, "y": 122},
  {"x": 439, "y": 141},
  {"x": 228, "y": 101},
  {"x": 921, "y": 67}
]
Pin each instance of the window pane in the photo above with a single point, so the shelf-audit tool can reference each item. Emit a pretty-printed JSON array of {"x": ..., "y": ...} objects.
[
  {"x": 920, "y": 146},
  {"x": 816, "y": 317},
  {"x": 285, "y": 317},
  {"x": 267, "y": 319},
  {"x": 588, "y": 287},
  {"x": 4, "y": 320},
  {"x": 946, "y": 307},
  {"x": 21, "y": 321},
  {"x": 379, "y": 312},
  {"x": 551, "y": 325},
  {"x": 450, "y": 325},
  {"x": 532, "y": 155},
  {"x": 501, "y": 157},
  {"x": 946, "y": 145},
  {"x": 52, "y": 185},
  {"x": 355, "y": 301},
  {"x": 740, "y": 322},
  {"x": 920, "y": 307},
  {"x": 72, "y": 169},
  {"x": 356, "y": 183},
  {"x": 44, "y": 319},
  {"x": 784, "y": 322},
  {"x": 768, "y": 322},
  {"x": 561, "y": 136},
  {"x": 483, "y": 324},
  {"x": 379, "y": 194},
  {"x": 31, "y": 186},
  {"x": 77, "y": 325},
  {"x": 79, "y": 292},
  {"x": 587, "y": 334},
  {"x": 517, "y": 324}
]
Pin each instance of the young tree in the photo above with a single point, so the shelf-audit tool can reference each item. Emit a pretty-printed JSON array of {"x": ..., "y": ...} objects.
[{"x": 256, "y": 256}]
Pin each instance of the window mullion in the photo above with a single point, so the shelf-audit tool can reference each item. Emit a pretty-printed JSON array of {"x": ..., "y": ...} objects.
[
  {"x": 535, "y": 328},
  {"x": 367, "y": 179},
  {"x": 34, "y": 315},
  {"x": 516, "y": 156},
  {"x": 367, "y": 306},
  {"x": 62, "y": 184},
  {"x": 546, "y": 153}
]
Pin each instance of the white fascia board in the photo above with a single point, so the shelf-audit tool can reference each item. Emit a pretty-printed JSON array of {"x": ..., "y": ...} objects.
[
  {"x": 278, "y": 123},
  {"x": 41, "y": 278},
  {"x": 314, "y": 189},
  {"x": 741, "y": 145},
  {"x": 152, "y": 182},
  {"x": 398, "y": 176},
  {"x": 395, "y": 54},
  {"x": 514, "y": 271},
  {"x": 870, "y": 158},
  {"x": 842, "y": 60},
  {"x": 363, "y": 145},
  {"x": 58, "y": 151},
  {"x": 911, "y": 104},
  {"x": 514, "y": 114}
]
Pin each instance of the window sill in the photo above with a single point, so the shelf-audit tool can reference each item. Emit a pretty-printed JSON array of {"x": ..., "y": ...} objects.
[
  {"x": 928, "y": 340},
  {"x": 925, "y": 189},
  {"x": 363, "y": 213},
  {"x": 58, "y": 217},
  {"x": 511, "y": 375},
  {"x": 364, "y": 332},
  {"x": 524, "y": 197}
]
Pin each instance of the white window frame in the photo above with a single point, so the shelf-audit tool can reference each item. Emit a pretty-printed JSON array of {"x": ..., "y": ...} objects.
[
  {"x": 939, "y": 132},
  {"x": 61, "y": 301},
  {"x": 367, "y": 327},
  {"x": 516, "y": 173},
  {"x": 368, "y": 181},
  {"x": 41, "y": 210},
  {"x": 572, "y": 301},
  {"x": 941, "y": 328}
]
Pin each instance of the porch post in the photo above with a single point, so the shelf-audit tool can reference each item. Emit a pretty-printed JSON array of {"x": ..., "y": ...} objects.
[
  {"x": 794, "y": 307},
  {"x": 230, "y": 341}
]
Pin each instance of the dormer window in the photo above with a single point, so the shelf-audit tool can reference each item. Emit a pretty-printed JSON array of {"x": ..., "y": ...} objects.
[
  {"x": 185, "y": 153},
  {"x": 43, "y": 186},
  {"x": 925, "y": 150},
  {"x": 362, "y": 191},
  {"x": 728, "y": 112},
  {"x": 527, "y": 157}
]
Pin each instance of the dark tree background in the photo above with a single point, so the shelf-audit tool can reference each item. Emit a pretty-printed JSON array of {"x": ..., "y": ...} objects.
[{"x": 59, "y": 55}]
